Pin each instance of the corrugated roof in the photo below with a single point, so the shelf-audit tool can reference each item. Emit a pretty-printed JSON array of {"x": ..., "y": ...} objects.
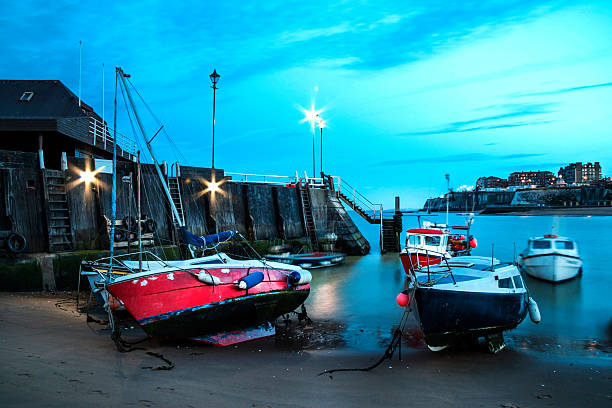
[{"x": 51, "y": 99}]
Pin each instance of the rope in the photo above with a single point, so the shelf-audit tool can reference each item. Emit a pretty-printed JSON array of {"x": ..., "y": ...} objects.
[{"x": 396, "y": 341}]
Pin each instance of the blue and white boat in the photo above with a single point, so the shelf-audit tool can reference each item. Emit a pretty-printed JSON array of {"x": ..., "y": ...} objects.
[{"x": 470, "y": 298}]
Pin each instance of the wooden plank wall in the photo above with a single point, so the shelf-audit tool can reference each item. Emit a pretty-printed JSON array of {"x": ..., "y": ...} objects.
[
  {"x": 258, "y": 211},
  {"x": 22, "y": 193}
]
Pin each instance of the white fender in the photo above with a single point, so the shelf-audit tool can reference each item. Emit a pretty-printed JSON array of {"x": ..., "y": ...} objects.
[
  {"x": 207, "y": 278},
  {"x": 305, "y": 277},
  {"x": 534, "y": 311}
]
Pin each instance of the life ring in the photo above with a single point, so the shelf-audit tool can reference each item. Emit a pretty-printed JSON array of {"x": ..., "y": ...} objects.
[{"x": 16, "y": 243}]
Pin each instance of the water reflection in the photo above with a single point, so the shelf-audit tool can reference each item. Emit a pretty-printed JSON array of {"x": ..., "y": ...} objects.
[{"x": 575, "y": 314}]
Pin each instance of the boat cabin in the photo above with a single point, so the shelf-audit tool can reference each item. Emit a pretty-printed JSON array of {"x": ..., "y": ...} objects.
[
  {"x": 550, "y": 243},
  {"x": 427, "y": 239}
]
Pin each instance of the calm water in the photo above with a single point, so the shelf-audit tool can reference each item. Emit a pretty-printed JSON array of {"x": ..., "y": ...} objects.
[{"x": 360, "y": 295}]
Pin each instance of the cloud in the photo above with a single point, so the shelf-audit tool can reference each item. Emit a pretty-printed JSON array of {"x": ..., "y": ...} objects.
[
  {"x": 313, "y": 33},
  {"x": 513, "y": 111},
  {"x": 566, "y": 90},
  {"x": 455, "y": 158}
]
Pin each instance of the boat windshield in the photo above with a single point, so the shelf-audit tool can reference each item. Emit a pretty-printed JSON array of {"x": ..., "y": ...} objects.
[
  {"x": 414, "y": 240},
  {"x": 541, "y": 244},
  {"x": 564, "y": 245},
  {"x": 433, "y": 240}
]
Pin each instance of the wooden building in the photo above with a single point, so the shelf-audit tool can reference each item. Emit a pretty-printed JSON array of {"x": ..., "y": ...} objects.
[{"x": 45, "y": 117}]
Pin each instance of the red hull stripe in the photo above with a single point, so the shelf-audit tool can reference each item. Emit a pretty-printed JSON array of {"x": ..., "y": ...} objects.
[
  {"x": 422, "y": 260},
  {"x": 176, "y": 313}
]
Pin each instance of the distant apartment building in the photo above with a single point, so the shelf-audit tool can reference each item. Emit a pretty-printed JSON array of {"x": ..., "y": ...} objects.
[
  {"x": 532, "y": 178},
  {"x": 579, "y": 173},
  {"x": 491, "y": 182}
]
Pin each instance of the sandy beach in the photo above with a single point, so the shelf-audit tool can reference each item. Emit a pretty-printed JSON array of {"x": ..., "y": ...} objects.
[{"x": 53, "y": 358}]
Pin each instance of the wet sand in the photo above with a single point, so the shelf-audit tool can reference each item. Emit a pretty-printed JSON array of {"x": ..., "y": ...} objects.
[{"x": 52, "y": 357}]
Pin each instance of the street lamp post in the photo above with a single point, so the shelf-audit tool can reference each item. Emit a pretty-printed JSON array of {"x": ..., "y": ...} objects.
[
  {"x": 313, "y": 148},
  {"x": 321, "y": 126},
  {"x": 214, "y": 78}
]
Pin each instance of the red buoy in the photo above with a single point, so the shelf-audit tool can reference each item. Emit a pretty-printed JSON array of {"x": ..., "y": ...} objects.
[
  {"x": 473, "y": 243},
  {"x": 402, "y": 299},
  {"x": 462, "y": 237}
]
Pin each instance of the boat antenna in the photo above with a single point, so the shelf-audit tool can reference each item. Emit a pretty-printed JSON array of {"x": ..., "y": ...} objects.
[
  {"x": 447, "y": 195},
  {"x": 114, "y": 188},
  {"x": 179, "y": 221}
]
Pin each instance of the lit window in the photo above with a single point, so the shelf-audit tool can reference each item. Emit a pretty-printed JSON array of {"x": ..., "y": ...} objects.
[{"x": 27, "y": 95}]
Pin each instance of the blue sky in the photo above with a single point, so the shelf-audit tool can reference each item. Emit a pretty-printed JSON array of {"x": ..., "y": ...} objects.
[{"x": 411, "y": 90}]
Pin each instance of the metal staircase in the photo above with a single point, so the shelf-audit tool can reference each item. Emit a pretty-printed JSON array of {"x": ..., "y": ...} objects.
[
  {"x": 309, "y": 224},
  {"x": 58, "y": 213},
  {"x": 390, "y": 225},
  {"x": 175, "y": 192}
]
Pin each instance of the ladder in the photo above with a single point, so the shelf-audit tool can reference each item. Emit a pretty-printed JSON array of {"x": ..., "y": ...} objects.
[
  {"x": 175, "y": 192},
  {"x": 390, "y": 235},
  {"x": 309, "y": 224},
  {"x": 58, "y": 213}
]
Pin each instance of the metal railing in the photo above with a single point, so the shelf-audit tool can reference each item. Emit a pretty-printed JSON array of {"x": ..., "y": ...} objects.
[
  {"x": 274, "y": 179},
  {"x": 100, "y": 133},
  {"x": 357, "y": 199}
]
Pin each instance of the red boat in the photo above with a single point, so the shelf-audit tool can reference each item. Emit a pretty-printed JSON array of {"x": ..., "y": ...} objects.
[{"x": 214, "y": 299}]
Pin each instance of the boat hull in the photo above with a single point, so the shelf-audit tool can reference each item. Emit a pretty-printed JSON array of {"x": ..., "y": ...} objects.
[
  {"x": 447, "y": 315},
  {"x": 420, "y": 259},
  {"x": 238, "y": 313},
  {"x": 178, "y": 304},
  {"x": 552, "y": 267}
]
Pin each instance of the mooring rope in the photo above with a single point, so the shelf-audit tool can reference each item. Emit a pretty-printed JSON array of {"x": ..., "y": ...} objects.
[{"x": 395, "y": 343}]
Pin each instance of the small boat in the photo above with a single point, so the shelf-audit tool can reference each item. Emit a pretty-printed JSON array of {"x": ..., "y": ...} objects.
[
  {"x": 213, "y": 299},
  {"x": 479, "y": 298},
  {"x": 552, "y": 258},
  {"x": 310, "y": 260}
]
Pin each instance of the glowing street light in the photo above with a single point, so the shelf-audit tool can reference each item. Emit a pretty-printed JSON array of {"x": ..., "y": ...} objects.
[{"x": 310, "y": 116}]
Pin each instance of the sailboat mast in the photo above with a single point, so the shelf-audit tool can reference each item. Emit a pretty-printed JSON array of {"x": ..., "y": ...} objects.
[
  {"x": 114, "y": 190},
  {"x": 139, "y": 217},
  {"x": 144, "y": 135}
]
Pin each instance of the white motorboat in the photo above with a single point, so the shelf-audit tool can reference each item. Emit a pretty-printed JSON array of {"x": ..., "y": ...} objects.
[{"x": 551, "y": 258}]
